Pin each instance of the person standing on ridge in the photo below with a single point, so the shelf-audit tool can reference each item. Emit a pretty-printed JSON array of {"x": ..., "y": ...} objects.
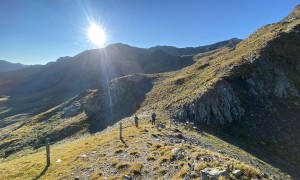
[
  {"x": 153, "y": 118},
  {"x": 136, "y": 121}
]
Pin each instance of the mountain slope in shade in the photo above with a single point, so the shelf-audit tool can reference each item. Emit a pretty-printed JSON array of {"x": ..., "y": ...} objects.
[
  {"x": 51, "y": 84},
  {"x": 8, "y": 66}
]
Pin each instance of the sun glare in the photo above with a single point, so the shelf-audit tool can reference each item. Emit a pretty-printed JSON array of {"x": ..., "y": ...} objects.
[{"x": 96, "y": 35}]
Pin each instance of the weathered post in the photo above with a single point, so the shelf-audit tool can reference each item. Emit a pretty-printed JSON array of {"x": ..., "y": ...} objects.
[
  {"x": 48, "y": 151},
  {"x": 120, "y": 130},
  {"x": 170, "y": 123}
]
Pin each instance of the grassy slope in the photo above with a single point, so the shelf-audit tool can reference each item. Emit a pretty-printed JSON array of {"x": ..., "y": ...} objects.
[
  {"x": 24, "y": 132},
  {"x": 145, "y": 152},
  {"x": 25, "y": 129},
  {"x": 184, "y": 85}
]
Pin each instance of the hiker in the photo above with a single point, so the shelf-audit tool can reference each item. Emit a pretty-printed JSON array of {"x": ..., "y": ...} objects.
[
  {"x": 136, "y": 121},
  {"x": 153, "y": 118}
]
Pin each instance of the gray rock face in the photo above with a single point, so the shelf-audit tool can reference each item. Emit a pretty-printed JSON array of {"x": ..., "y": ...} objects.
[
  {"x": 271, "y": 82},
  {"x": 121, "y": 99},
  {"x": 216, "y": 106},
  {"x": 284, "y": 88},
  {"x": 220, "y": 105},
  {"x": 74, "y": 109},
  {"x": 213, "y": 173},
  {"x": 237, "y": 173}
]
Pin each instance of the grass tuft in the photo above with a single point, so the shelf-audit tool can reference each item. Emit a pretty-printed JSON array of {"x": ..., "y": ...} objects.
[
  {"x": 162, "y": 171},
  {"x": 97, "y": 175},
  {"x": 123, "y": 165},
  {"x": 114, "y": 161},
  {"x": 136, "y": 167},
  {"x": 200, "y": 166},
  {"x": 119, "y": 150},
  {"x": 150, "y": 157},
  {"x": 183, "y": 172}
]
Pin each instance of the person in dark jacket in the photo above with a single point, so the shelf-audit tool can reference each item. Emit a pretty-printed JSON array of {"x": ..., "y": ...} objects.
[
  {"x": 153, "y": 118},
  {"x": 136, "y": 121}
]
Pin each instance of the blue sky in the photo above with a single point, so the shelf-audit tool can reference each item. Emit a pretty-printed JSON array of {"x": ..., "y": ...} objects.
[{"x": 39, "y": 31}]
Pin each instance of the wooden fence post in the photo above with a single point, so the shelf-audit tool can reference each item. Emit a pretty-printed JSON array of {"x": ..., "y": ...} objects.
[
  {"x": 48, "y": 152},
  {"x": 120, "y": 130}
]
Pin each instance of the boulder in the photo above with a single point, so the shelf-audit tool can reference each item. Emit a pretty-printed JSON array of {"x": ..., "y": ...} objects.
[
  {"x": 176, "y": 151},
  {"x": 237, "y": 173},
  {"x": 213, "y": 173}
]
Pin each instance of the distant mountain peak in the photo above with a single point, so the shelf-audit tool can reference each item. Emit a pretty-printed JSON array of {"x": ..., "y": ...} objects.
[{"x": 119, "y": 45}]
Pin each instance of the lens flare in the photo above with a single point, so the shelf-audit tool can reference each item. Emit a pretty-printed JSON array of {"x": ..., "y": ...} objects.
[{"x": 96, "y": 35}]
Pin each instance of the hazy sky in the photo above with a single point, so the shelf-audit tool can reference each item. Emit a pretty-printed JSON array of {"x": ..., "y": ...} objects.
[{"x": 39, "y": 31}]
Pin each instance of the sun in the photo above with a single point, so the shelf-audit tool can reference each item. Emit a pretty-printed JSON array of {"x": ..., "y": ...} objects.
[{"x": 96, "y": 35}]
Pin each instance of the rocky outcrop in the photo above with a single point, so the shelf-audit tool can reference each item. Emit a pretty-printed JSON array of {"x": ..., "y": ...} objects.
[
  {"x": 213, "y": 173},
  {"x": 218, "y": 105},
  {"x": 266, "y": 73},
  {"x": 122, "y": 98},
  {"x": 274, "y": 83}
]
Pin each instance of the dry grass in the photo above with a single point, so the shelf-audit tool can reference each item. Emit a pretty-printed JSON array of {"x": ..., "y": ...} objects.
[
  {"x": 222, "y": 178},
  {"x": 30, "y": 166},
  {"x": 183, "y": 172},
  {"x": 247, "y": 170},
  {"x": 200, "y": 166},
  {"x": 162, "y": 171},
  {"x": 156, "y": 146},
  {"x": 167, "y": 157},
  {"x": 150, "y": 158},
  {"x": 119, "y": 150},
  {"x": 123, "y": 165},
  {"x": 114, "y": 161},
  {"x": 136, "y": 167},
  {"x": 134, "y": 153},
  {"x": 155, "y": 167},
  {"x": 97, "y": 175}
]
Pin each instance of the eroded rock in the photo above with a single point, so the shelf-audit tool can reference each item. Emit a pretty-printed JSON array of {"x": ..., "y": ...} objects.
[
  {"x": 218, "y": 105},
  {"x": 213, "y": 173}
]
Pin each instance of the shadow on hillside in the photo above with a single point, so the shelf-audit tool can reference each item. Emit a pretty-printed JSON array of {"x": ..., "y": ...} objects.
[
  {"x": 122, "y": 140},
  {"x": 34, "y": 104},
  {"x": 256, "y": 150},
  {"x": 123, "y": 99},
  {"x": 42, "y": 173}
]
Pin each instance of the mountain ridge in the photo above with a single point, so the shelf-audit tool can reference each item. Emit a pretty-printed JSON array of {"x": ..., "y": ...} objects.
[
  {"x": 8, "y": 66},
  {"x": 92, "y": 69}
]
